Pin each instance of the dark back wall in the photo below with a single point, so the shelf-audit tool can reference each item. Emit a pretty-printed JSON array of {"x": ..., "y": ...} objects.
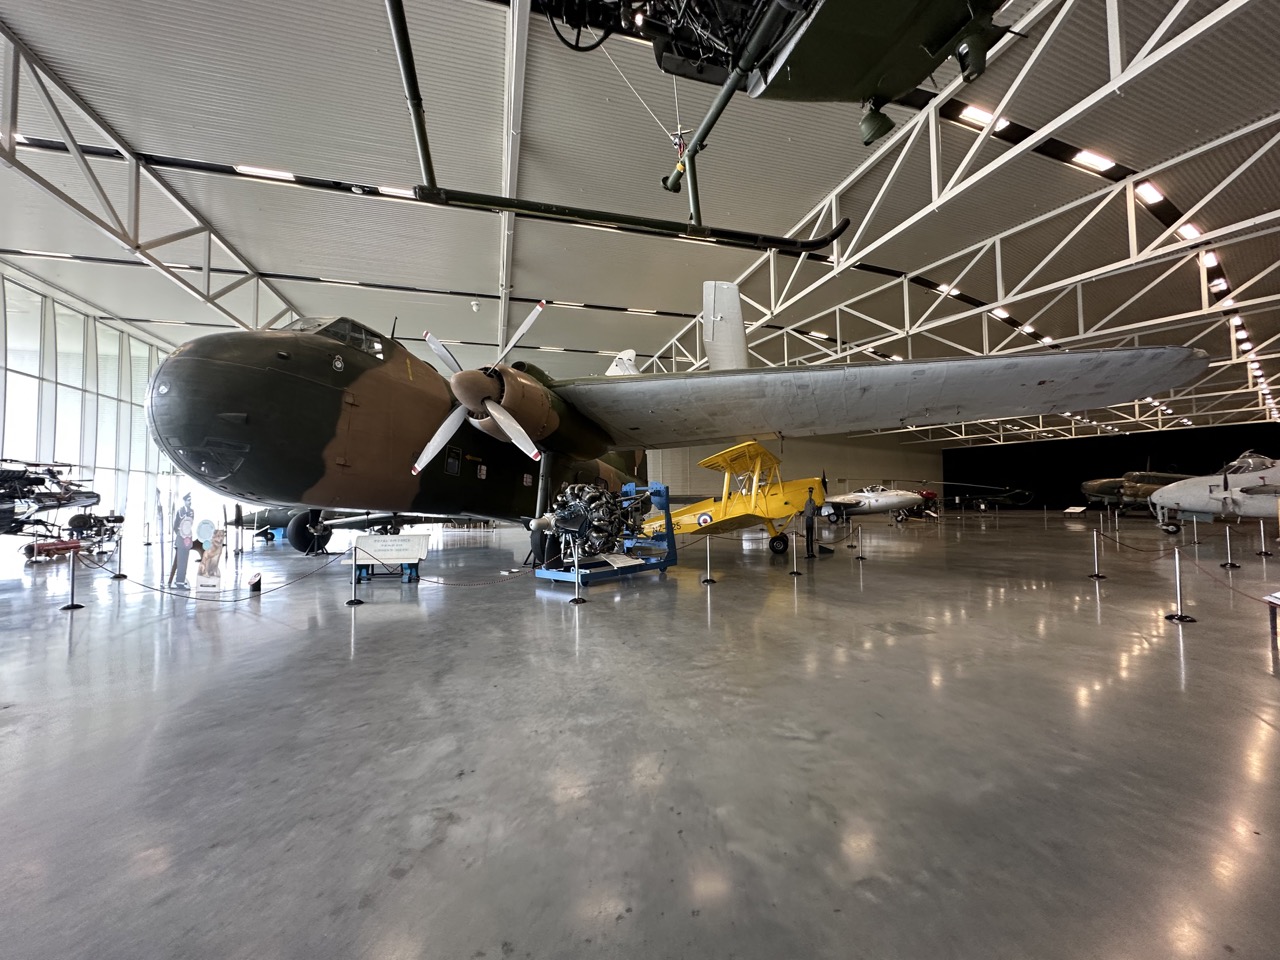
[{"x": 1054, "y": 469}]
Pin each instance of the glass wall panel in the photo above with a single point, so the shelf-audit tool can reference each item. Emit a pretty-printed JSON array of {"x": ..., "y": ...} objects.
[
  {"x": 107, "y": 413},
  {"x": 139, "y": 367},
  {"x": 66, "y": 435},
  {"x": 108, "y": 365},
  {"x": 22, "y": 400},
  {"x": 69, "y": 327},
  {"x": 137, "y": 437},
  {"x": 22, "y": 318}
]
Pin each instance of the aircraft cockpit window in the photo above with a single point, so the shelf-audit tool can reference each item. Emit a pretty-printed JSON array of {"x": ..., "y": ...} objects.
[
  {"x": 1248, "y": 465},
  {"x": 343, "y": 330},
  {"x": 308, "y": 324},
  {"x": 365, "y": 339}
]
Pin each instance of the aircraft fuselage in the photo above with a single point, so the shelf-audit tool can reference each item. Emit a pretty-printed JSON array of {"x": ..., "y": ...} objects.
[{"x": 298, "y": 418}]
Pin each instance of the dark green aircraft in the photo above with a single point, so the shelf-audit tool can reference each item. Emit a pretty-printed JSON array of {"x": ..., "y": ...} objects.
[
  {"x": 328, "y": 414},
  {"x": 851, "y": 51}
]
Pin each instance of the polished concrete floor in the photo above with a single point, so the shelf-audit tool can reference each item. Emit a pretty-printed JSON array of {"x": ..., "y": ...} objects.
[{"x": 959, "y": 747}]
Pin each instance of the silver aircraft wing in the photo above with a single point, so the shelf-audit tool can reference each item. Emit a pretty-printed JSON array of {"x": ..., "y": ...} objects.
[{"x": 679, "y": 409}]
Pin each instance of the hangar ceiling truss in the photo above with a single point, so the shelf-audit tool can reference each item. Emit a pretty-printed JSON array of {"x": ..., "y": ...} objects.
[
  {"x": 118, "y": 192},
  {"x": 1115, "y": 264}
]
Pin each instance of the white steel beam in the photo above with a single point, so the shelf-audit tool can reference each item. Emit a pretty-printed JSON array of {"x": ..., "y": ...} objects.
[{"x": 126, "y": 229}]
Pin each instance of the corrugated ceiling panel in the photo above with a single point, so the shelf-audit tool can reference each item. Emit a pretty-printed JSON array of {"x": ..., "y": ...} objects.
[
  {"x": 1209, "y": 88},
  {"x": 1027, "y": 188},
  {"x": 120, "y": 288},
  {"x": 1252, "y": 193},
  {"x": 1074, "y": 64},
  {"x": 1241, "y": 262},
  {"x": 588, "y": 140},
  {"x": 315, "y": 90},
  {"x": 312, "y": 233},
  {"x": 32, "y": 220},
  {"x": 561, "y": 262},
  {"x": 159, "y": 216}
]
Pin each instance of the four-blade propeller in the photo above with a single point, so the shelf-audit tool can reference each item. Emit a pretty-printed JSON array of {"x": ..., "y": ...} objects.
[{"x": 478, "y": 392}]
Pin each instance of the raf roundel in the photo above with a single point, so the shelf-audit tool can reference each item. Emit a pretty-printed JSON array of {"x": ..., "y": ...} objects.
[
  {"x": 704, "y": 519},
  {"x": 338, "y": 364}
]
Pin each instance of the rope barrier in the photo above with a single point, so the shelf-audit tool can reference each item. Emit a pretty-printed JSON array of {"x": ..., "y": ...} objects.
[
  {"x": 1160, "y": 552},
  {"x": 388, "y": 565},
  {"x": 1230, "y": 586}
]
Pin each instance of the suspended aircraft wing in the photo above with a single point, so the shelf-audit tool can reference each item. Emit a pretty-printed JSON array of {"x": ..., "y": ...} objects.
[{"x": 671, "y": 410}]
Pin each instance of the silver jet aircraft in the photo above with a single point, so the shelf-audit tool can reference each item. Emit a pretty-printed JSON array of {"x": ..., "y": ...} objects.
[{"x": 1248, "y": 486}]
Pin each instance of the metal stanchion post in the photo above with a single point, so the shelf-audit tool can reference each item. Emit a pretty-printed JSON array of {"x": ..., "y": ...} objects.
[
  {"x": 74, "y": 556},
  {"x": 1178, "y": 616},
  {"x": 1229, "y": 565},
  {"x": 1262, "y": 539},
  {"x": 355, "y": 565},
  {"x": 795, "y": 559},
  {"x": 146, "y": 534},
  {"x": 1195, "y": 532},
  {"x": 708, "y": 579},
  {"x": 119, "y": 550},
  {"x": 1096, "y": 575},
  {"x": 577, "y": 577},
  {"x": 859, "y": 556}
]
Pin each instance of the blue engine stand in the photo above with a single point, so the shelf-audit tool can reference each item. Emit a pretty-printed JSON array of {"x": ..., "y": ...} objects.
[{"x": 596, "y": 570}]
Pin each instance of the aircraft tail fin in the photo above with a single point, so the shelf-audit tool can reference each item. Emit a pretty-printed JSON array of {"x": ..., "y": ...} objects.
[
  {"x": 723, "y": 336},
  {"x": 623, "y": 365}
]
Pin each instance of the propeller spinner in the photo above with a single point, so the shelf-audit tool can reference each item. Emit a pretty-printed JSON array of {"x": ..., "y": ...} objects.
[{"x": 478, "y": 393}]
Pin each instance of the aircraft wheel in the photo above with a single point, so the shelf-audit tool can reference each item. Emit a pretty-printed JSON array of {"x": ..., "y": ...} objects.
[
  {"x": 1170, "y": 528},
  {"x": 29, "y": 551},
  {"x": 834, "y": 518},
  {"x": 269, "y": 536},
  {"x": 780, "y": 543},
  {"x": 302, "y": 539}
]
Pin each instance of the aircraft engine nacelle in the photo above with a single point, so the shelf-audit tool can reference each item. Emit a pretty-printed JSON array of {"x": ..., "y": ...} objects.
[{"x": 549, "y": 421}]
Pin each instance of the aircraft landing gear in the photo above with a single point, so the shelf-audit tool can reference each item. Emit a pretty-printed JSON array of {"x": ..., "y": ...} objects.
[
  {"x": 779, "y": 544},
  {"x": 307, "y": 533},
  {"x": 1170, "y": 528}
]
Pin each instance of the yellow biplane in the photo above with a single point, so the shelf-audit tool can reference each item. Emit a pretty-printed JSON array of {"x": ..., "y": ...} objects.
[{"x": 754, "y": 493}]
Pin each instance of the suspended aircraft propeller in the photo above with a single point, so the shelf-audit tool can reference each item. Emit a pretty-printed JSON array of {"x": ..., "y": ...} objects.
[{"x": 478, "y": 392}]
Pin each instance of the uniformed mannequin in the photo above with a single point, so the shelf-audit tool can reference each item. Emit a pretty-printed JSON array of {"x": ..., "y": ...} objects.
[{"x": 810, "y": 512}]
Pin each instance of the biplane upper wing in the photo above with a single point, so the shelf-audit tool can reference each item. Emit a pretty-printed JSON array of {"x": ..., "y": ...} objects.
[
  {"x": 741, "y": 459},
  {"x": 670, "y": 410}
]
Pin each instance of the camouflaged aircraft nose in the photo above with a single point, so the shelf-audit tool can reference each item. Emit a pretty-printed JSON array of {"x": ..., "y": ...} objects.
[{"x": 219, "y": 405}]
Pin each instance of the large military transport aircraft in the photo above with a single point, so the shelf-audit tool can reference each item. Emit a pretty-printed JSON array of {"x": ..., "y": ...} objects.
[{"x": 329, "y": 414}]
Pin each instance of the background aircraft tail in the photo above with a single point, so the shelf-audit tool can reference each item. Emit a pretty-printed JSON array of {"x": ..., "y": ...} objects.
[{"x": 723, "y": 336}]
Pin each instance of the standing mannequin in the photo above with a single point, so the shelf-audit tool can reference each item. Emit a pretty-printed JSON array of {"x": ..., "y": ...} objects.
[
  {"x": 183, "y": 523},
  {"x": 810, "y": 512}
]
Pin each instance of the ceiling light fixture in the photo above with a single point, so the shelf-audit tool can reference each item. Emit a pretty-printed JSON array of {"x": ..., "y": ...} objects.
[
  {"x": 1245, "y": 345},
  {"x": 1148, "y": 193},
  {"x": 980, "y": 118},
  {"x": 1209, "y": 259},
  {"x": 1237, "y": 320},
  {"x": 266, "y": 172},
  {"x": 1094, "y": 161},
  {"x": 405, "y": 192},
  {"x": 1218, "y": 286},
  {"x": 1188, "y": 231},
  {"x": 1000, "y": 313}
]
